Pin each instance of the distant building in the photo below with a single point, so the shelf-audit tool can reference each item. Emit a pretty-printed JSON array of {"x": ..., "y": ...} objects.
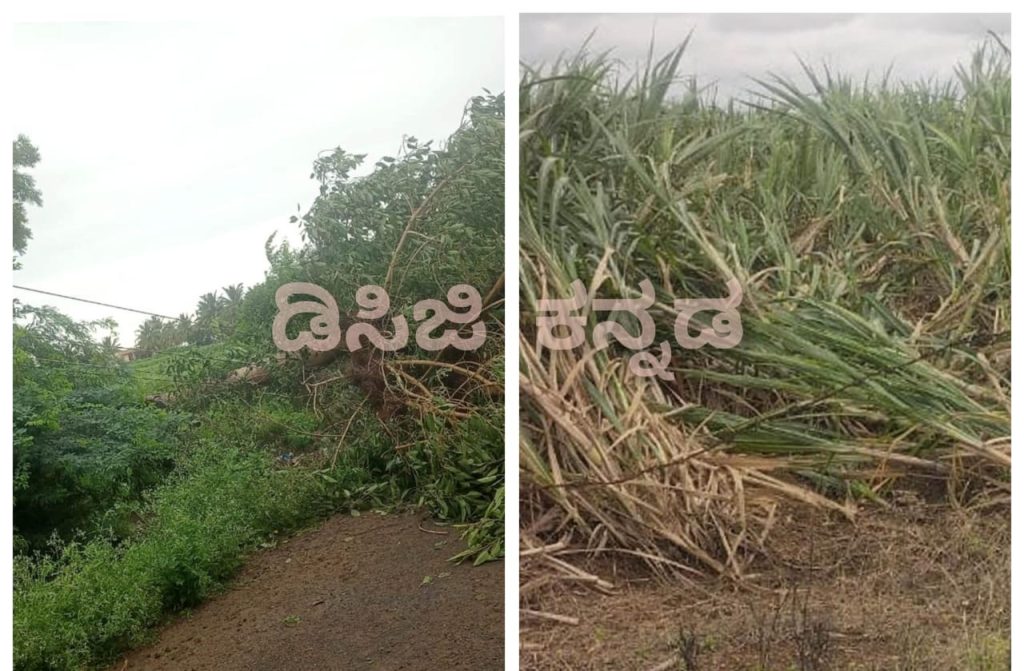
[{"x": 129, "y": 354}]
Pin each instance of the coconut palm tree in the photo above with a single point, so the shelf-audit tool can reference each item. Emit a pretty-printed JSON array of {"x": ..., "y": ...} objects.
[
  {"x": 209, "y": 307},
  {"x": 208, "y": 313},
  {"x": 110, "y": 344},
  {"x": 150, "y": 335},
  {"x": 183, "y": 328},
  {"x": 234, "y": 293}
]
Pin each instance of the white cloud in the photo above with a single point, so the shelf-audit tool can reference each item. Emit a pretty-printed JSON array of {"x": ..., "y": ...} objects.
[
  {"x": 729, "y": 49},
  {"x": 171, "y": 151}
]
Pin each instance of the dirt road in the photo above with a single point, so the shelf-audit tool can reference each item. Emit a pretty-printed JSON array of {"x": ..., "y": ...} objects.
[{"x": 369, "y": 592}]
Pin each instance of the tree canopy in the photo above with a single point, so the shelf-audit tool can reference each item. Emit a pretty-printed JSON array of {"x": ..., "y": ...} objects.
[{"x": 26, "y": 156}]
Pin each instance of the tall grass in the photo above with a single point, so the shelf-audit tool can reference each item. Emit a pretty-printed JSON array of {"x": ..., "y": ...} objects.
[{"x": 869, "y": 227}]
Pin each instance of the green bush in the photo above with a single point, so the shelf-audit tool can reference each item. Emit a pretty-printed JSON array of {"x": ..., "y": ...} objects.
[
  {"x": 100, "y": 454},
  {"x": 83, "y": 439},
  {"x": 93, "y": 599}
]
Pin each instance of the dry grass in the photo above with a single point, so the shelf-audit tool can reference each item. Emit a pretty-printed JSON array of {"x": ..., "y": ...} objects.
[{"x": 915, "y": 589}]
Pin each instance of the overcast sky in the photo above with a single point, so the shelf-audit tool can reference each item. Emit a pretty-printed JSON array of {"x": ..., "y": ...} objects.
[
  {"x": 727, "y": 49},
  {"x": 170, "y": 152}
]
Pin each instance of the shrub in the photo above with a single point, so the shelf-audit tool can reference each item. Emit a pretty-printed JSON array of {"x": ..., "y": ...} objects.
[{"x": 92, "y": 599}]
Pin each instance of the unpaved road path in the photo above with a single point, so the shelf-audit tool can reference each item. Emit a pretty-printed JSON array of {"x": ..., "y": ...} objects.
[{"x": 353, "y": 594}]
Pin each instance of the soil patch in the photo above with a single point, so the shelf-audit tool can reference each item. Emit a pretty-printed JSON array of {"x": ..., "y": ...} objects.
[
  {"x": 368, "y": 592},
  {"x": 917, "y": 589}
]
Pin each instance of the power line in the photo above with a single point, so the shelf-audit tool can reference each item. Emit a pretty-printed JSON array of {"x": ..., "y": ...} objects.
[
  {"x": 121, "y": 307},
  {"x": 86, "y": 300}
]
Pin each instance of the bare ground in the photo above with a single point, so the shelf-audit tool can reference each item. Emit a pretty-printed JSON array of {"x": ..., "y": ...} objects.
[
  {"x": 915, "y": 589},
  {"x": 369, "y": 592}
]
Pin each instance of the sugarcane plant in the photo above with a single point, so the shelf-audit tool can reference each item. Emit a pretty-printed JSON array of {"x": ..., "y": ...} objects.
[{"x": 868, "y": 225}]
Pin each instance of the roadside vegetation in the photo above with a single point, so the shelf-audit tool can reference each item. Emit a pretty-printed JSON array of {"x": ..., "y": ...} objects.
[{"x": 140, "y": 487}]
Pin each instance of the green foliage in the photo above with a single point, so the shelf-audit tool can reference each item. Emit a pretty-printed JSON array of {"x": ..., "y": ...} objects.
[
  {"x": 188, "y": 367},
  {"x": 485, "y": 537},
  {"x": 214, "y": 321},
  {"x": 82, "y": 441},
  {"x": 257, "y": 310},
  {"x": 458, "y": 468},
  {"x": 417, "y": 224},
  {"x": 26, "y": 156},
  {"x": 420, "y": 222},
  {"x": 453, "y": 469},
  {"x": 90, "y": 600},
  {"x": 104, "y": 451},
  {"x": 270, "y": 423},
  {"x": 157, "y": 334}
]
